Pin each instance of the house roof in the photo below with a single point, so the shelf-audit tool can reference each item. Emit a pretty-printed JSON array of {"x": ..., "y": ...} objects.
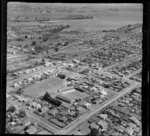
[
  {"x": 93, "y": 125},
  {"x": 31, "y": 130},
  {"x": 79, "y": 133},
  {"x": 67, "y": 105},
  {"x": 25, "y": 121},
  {"x": 44, "y": 132}
]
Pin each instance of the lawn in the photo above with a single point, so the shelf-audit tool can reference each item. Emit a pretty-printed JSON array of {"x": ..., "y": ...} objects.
[
  {"x": 38, "y": 89},
  {"x": 76, "y": 95}
]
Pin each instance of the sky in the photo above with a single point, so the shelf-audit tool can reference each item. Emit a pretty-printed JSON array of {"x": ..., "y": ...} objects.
[{"x": 97, "y": 5}]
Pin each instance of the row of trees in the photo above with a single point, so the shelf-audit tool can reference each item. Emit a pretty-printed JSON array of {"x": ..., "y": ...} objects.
[{"x": 48, "y": 98}]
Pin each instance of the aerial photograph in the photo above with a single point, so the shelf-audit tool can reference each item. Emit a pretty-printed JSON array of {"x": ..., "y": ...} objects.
[{"x": 74, "y": 69}]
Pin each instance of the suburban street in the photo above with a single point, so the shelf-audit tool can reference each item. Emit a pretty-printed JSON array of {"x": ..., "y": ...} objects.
[
  {"x": 83, "y": 118},
  {"x": 134, "y": 73},
  {"x": 123, "y": 62},
  {"x": 43, "y": 122}
]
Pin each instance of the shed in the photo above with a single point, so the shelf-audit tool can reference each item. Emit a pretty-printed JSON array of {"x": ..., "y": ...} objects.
[
  {"x": 63, "y": 98},
  {"x": 66, "y": 105},
  {"x": 26, "y": 122}
]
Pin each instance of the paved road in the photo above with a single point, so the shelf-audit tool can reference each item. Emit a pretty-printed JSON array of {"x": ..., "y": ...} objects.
[
  {"x": 43, "y": 122},
  {"x": 102, "y": 71},
  {"x": 134, "y": 73},
  {"x": 122, "y": 62},
  {"x": 86, "y": 116},
  {"x": 100, "y": 107},
  {"x": 44, "y": 69},
  {"x": 32, "y": 74},
  {"x": 74, "y": 124}
]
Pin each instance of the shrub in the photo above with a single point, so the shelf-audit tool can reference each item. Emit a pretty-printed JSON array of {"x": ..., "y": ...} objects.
[
  {"x": 22, "y": 114},
  {"x": 11, "y": 109},
  {"x": 48, "y": 98}
]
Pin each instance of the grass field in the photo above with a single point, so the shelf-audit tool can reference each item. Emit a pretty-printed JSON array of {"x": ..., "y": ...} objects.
[
  {"x": 76, "y": 95},
  {"x": 49, "y": 85}
]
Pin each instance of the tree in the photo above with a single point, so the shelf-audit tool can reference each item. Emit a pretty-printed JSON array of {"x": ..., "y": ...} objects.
[
  {"x": 10, "y": 119},
  {"x": 76, "y": 111},
  {"x": 62, "y": 76},
  {"x": 67, "y": 26},
  {"x": 45, "y": 39},
  {"x": 8, "y": 130},
  {"x": 11, "y": 109},
  {"x": 33, "y": 43},
  {"x": 39, "y": 110},
  {"x": 38, "y": 48},
  {"x": 19, "y": 39},
  {"x": 22, "y": 114},
  {"x": 66, "y": 44},
  {"x": 46, "y": 96},
  {"x": 25, "y": 36},
  {"x": 95, "y": 132},
  {"x": 43, "y": 61},
  {"x": 56, "y": 49},
  {"x": 19, "y": 91}
]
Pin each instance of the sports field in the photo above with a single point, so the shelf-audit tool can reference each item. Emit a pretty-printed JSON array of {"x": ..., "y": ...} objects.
[
  {"x": 49, "y": 85},
  {"x": 75, "y": 95}
]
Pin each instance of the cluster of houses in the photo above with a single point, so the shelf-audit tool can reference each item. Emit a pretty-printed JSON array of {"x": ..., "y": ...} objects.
[
  {"x": 127, "y": 121},
  {"x": 29, "y": 80},
  {"x": 27, "y": 71},
  {"x": 126, "y": 69}
]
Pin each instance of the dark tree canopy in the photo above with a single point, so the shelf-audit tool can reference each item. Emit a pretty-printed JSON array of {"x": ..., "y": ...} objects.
[
  {"x": 95, "y": 132},
  {"x": 33, "y": 43},
  {"x": 21, "y": 114},
  {"x": 25, "y": 36},
  {"x": 11, "y": 109},
  {"x": 62, "y": 76},
  {"x": 56, "y": 49},
  {"x": 48, "y": 98}
]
